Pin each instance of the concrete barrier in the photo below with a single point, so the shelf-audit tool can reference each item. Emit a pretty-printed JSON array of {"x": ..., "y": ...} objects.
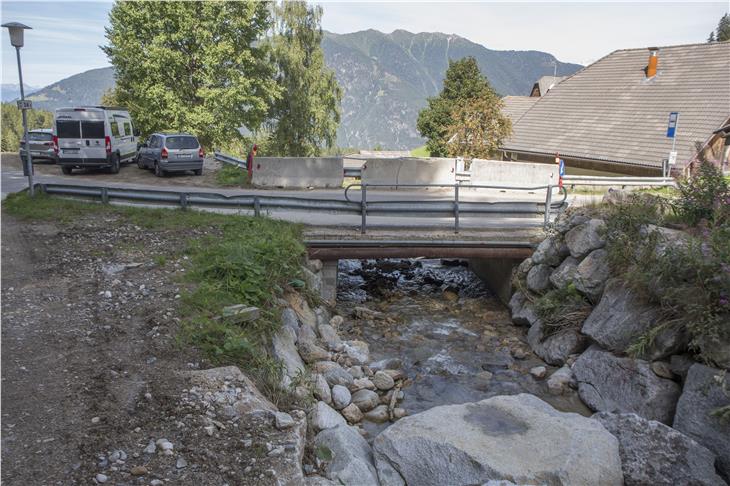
[
  {"x": 409, "y": 170},
  {"x": 297, "y": 172},
  {"x": 507, "y": 173}
]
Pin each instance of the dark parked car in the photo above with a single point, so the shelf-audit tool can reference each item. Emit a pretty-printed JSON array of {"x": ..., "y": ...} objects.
[
  {"x": 171, "y": 152},
  {"x": 41, "y": 145}
]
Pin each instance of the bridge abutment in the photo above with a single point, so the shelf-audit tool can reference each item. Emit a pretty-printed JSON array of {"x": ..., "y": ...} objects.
[
  {"x": 496, "y": 273},
  {"x": 328, "y": 290}
]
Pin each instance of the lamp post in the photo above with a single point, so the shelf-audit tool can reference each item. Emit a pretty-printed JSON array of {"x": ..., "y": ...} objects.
[{"x": 16, "y": 31}]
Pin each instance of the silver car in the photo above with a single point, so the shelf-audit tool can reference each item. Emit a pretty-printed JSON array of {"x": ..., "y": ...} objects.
[
  {"x": 171, "y": 152},
  {"x": 41, "y": 145}
]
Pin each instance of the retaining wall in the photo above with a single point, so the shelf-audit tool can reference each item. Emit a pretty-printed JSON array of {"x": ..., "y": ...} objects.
[
  {"x": 410, "y": 170},
  {"x": 507, "y": 173},
  {"x": 299, "y": 172}
]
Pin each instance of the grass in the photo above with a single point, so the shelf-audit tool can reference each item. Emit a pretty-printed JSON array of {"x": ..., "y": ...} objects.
[
  {"x": 421, "y": 151},
  {"x": 242, "y": 260},
  {"x": 562, "y": 309},
  {"x": 232, "y": 176}
]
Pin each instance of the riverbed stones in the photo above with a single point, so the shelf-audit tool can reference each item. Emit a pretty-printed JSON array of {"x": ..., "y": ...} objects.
[
  {"x": 377, "y": 415},
  {"x": 386, "y": 364},
  {"x": 312, "y": 353},
  {"x": 352, "y": 458},
  {"x": 591, "y": 274},
  {"x": 352, "y": 413},
  {"x": 555, "y": 348},
  {"x": 285, "y": 350},
  {"x": 549, "y": 251},
  {"x": 518, "y": 437},
  {"x": 383, "y": 381},
  {"x": 608, "y": 383},
  {"x": 360, "y": 384},
  {"x": 563, "y": 275},
  {"x": 333, "y": 373},
  {"x": 538, "y": 278},
  {"x": 706, "y": 391},
  {"x": 341, "y": 397},
  {"x": 329, "y": 337},
  {"x": 321, "y": 390},
  {"x": 538, "y": 372},
  {"x": 585, "y": 238},
  {"x": 561, "y": 381},
  {"x": 289, "y": 319},
  {"x": 357, "y": 351},
  {"x": 653, "y": 453},
  {"x": 522, "y": 310},
  {"x": 323, "y": 417},
  {"x": 365, "y": 400}
]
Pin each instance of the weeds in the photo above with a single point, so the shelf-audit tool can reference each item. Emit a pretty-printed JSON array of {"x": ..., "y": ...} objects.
[
  {"x": 230, "y": 175},
  {"x": 562, "y": 309}
]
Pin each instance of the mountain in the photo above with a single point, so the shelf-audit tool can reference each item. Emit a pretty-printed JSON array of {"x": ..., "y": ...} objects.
[
  {"x": 85, "y": 88},
  {"x": 11, "y": 92},
  {"x": 385, "y": 79}
]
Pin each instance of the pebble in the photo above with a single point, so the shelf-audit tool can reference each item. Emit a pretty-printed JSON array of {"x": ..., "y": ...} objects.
[
  {"x": 181, "y": 463},
  {"x": 341, "y": 397},
  {"x": 383, "y": 381},
  {"x": 662, "y": 369},
  {"x": 95, "y": 420},
  {"x": 151, "y": 448},
  {"x": 138, "y": 471},
  {"x": 283, "y": 420},
  {"x": 108, "y": 295},
  {"x": 209, "y": 429},
  {"x": 277, "y": 451},
  {"x": 101, "y": 478},
  {"x": 538, "y": 372},
  {"x": 156, "y": 482}
]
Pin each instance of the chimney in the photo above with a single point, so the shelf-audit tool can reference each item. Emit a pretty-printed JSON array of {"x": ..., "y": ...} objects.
[{"x": 653, "y": 62}]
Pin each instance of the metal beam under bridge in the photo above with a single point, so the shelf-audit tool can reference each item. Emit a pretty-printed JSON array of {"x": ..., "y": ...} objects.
[{"x": 365, "y": 249}]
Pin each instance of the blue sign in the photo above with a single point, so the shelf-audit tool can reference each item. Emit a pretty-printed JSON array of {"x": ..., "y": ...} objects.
[
  {"x": 561, "y": 170},
  {"x": 672, "y": 126}
]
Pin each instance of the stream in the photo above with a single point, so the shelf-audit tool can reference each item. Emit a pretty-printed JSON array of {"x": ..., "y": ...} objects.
[{"x": 455, "y": 339}]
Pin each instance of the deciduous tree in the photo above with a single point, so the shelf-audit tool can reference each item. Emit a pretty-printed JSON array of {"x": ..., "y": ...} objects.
[
  {"x": 478, "y": 127},
  {"x": 12, "y": 125}
]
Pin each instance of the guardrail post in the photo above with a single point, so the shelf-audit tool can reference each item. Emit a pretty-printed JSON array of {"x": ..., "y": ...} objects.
[
  {"x": 256, "y": 206},
  {"x": 363, "y": 208},
  {"x": 104, "y": 195},
  {"x": 183, "y": 201},
  {"x": 548, "y": 202},
  {"x": 456, "y": 208},
  {"x": 41, "y": 188}
]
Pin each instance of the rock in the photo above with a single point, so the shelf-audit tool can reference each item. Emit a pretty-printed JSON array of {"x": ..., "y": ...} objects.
[
  {"x": 285, "y": 350},
  {"x": 360, "y": 384},
  {"x": 519, "y": 437},
  {"x": 662, "y": 369},
  {"x": 324, "y": 417},
  {"x": 329, "y": 337},
  {"x": 523, "y": 312},
  {"x": 356, "y": 372},
  {"x": 396, "y": 374},
  {"x": 321, "y": 389},
  {"x": 653, "y": 453},
  {"x": 585, "y": 238},
  {"x": 314, "y": 266},
  {"x": 313, "y": 280},
  {"x": 361, "y": 312},
  {"x": 151, "y": 448},
  {"x": 549, "y": 251},
  {"x": 307, "y": 334},
  {"x": 538, "y": 372},
  {"x": 333, "y": 373},
  {"x": 181, "y": 463},
  {"x": 556, "y": 348},
  {"x": 399, "y": 413},
  {"x": 301, "y": 308},
  {"x": 680, "y": 364},
  {"x": 538, "y": 278},
  {"x": 357, "y": 351},
  {"x": 352, "y": 413},
  {"x": 336, "y": 321},
  {"x": 569, "y": 219},
  {"x": 289, "y": 319},
  {"x": 386, "y": 364},
  {"x": 283, "y": 420},
  {"x": 138, "y": 471},
  {"x": 378, "y": 415},
  {"x": 365, "y": 400},
  {"x": 383, "y": 381},
  {"x": 311, "y": 353},
  {"x": 523, "y": 269},
  {"x": 607, "y": 383},
  {"x": 352, "y": 458},
  {"x": 705, "y": 391},
  {"x": 340, "y": 397},
  {"x": 666, "y": 238},
  {"x": 591, "y": 274},
  {"x": 561, "y": 381},
  {"x": 101, "y": 478},
  {"x": 241, "y": 313},
  {"x": 620, "y": 318},
  {"x": 563, "y": 275},
  {"x": 716, "y": 350}
]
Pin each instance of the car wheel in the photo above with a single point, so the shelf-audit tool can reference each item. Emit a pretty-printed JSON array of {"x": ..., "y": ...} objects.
[
  {"x": 198, "y": 172},
  {"x": 158, "y": 171},
  {"x": 66, "y": 170},
  {"x": 139, "y": 162}
]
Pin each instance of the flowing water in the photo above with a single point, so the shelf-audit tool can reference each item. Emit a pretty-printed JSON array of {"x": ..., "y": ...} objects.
[{"x": 455, "y": 339}]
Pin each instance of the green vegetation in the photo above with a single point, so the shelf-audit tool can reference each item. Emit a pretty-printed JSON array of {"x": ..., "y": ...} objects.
[
  {"x": 421, "y": 151},
  {"x": 230, "y": 175},
  {"x": 561, "y": 309},
  {"x": 465, "y": 119},
  {"x": 722, "y": 32},
  {"x": 12, "y": 125},
  {"x": 242, "y": 260}
]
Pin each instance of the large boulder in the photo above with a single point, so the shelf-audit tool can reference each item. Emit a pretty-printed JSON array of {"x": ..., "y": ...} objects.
[
  {"x": 705, "y": 391},
  {"x": 555, "y": 348},
  {"x": 716, "y": 349},
  {"x": 550, "y": 251},
  {"x": 608, "y": 383},
  {"x": 518, "y": 438},
  {"x": 323, "y": 417},
  {"x": 333, "y": 373},
  {"x": 585, "y": 238},
  {"x": 653, "y": 453},
  {"x": 352, "y": 458},
  {"x": 563, "y": 275},
  {"x": 590, "y": 276},
  {"x": 538, "y": 278},
  {"x": 285, "y": 350},
  {"x": 621, "y": 318},
  {"x": 523, "y": 312},
  {"x": 666, "y": 238}
]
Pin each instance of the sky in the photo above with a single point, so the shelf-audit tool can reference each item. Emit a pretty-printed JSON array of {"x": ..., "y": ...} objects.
[{"x": 66, "y": 36}]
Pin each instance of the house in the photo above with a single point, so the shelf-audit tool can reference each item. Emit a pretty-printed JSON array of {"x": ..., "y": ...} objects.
[
  {"x": 516, "y": 106},
  {"x": 612, "y": 116},
  {"x": 545, "y": 84}
]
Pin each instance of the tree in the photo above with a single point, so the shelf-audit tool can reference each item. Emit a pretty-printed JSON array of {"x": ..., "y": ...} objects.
[
  {"x": 12, "y": 125},
  {"x": 478, "y": 127},
  {"x": 463, "y": 82},
  {"x": 194, "y": 66},
  {"x": 711, "y": 38},
  {"x": 304, "y": 119},
  {"x": 722, "y": 34}
]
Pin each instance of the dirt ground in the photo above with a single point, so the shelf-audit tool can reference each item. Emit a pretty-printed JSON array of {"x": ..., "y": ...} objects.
[
  {"x": 92, "y": 369},
  {"x": 129, "y": 173}
]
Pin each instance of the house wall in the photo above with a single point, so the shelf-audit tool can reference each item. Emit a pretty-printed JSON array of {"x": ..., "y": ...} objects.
[{"x": 590, "y": 167}]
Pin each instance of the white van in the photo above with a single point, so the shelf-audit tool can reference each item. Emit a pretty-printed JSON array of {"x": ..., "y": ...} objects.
[{"x": 94, "y": 136}]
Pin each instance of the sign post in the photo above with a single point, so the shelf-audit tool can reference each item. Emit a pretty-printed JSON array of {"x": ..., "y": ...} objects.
[{"x": 672, "y": 133}]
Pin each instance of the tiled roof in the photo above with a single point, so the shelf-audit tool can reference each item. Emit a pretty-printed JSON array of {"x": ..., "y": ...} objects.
[
  {"x": 609, "y": 111},
  {"x": 516, "y": 106},
  {"x": 546, "y": 83}
]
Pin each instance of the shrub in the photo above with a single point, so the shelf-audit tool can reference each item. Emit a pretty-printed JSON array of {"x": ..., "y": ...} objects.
[
  {"x": 702, "y": 195},
  {"x": 562, "y": 309}
]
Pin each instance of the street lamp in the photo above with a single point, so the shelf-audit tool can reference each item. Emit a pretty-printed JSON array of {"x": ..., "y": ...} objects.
[{"x": 16, "y": 30}]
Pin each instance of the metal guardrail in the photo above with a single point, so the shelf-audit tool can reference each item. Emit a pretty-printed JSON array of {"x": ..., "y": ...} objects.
[
  {"x": 575, "y": 180},
  {"x": 259, "y": 203},
  {"x": 228, "y": 159}
]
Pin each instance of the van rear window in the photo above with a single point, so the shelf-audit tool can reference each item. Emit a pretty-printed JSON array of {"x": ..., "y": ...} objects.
[
  {"x": 68, "y": 129},
  {"x": 40, "y": 136},
  {"x": 181, "y": 142},
  {"x": 92, "y": 129}
]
